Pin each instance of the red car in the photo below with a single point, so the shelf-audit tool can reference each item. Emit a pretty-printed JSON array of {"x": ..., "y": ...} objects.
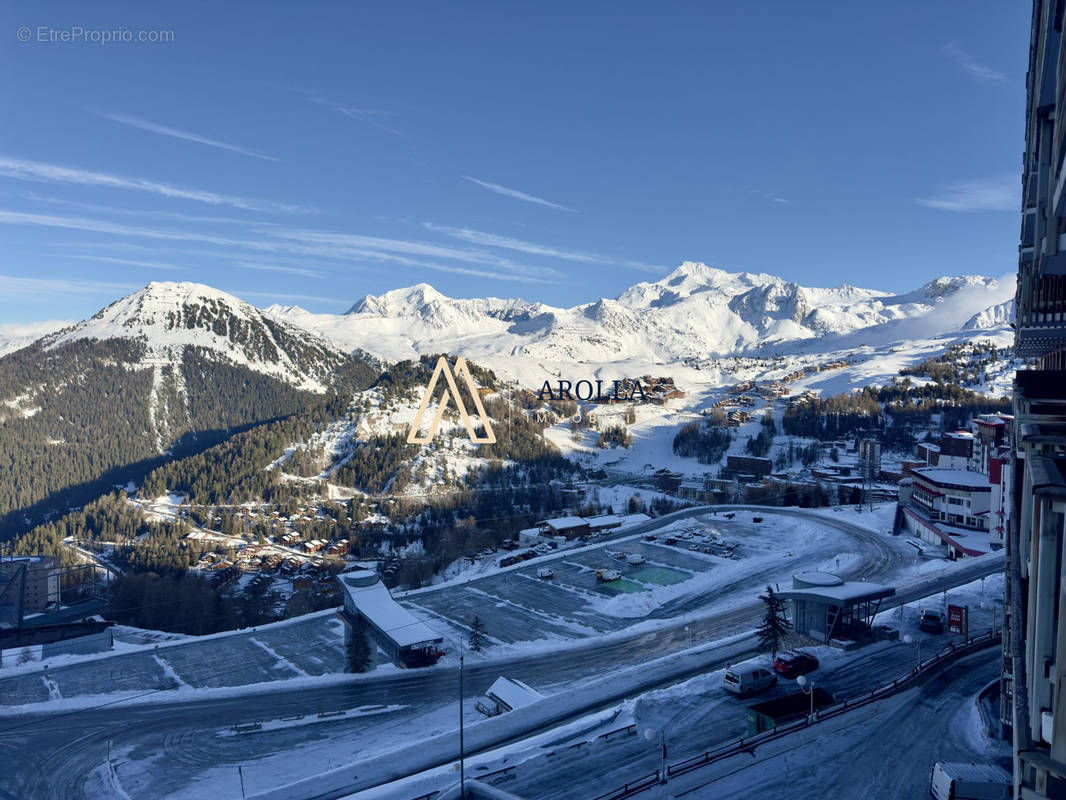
[{"x": 793, "y": 663}]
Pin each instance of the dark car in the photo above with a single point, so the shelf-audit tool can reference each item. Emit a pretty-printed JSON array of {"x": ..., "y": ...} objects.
[
  {"x": 931, "y": 622},
  {"x": 793, "y": 663}
]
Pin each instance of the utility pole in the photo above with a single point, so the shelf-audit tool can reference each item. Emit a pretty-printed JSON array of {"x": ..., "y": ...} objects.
[{"x": 462, "y": 752}]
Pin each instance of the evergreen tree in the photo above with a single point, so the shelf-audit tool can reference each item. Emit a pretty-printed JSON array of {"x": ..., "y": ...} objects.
[
  {"x": 774, "y": 625},
  {"x": 477, "y": 635},
  {"x": 360, "y": 656}
]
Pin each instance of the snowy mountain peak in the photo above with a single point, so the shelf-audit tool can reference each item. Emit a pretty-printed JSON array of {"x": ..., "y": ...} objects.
[
  {"x": 399, "y": 302},
  {"x": 947, "y": 286},
  {"x": 169, "y": 317}
]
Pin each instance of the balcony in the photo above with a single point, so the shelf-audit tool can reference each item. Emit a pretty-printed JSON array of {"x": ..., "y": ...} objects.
[{"x": 1041, "y": 311}]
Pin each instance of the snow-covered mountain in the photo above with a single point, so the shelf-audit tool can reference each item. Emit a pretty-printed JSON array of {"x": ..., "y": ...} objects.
[
  {"x": 169, "y": 317},
  {"x": 996, "y": 316},
  {"x": 695, "y": 312}
]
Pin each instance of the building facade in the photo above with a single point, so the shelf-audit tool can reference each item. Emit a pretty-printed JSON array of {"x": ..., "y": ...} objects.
[
  {"x": 949, "y": 508},
  {"x": 1034, "y": 645}
]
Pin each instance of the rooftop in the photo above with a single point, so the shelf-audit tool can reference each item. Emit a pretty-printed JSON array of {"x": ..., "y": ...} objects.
[
  {"x": 563, "y": 523},
  {"x": 513, "y": 694},
  {"x": 953, "y": 477},
  {"x": 842, "y": 594},
  {"x": 375, "y": 603}
]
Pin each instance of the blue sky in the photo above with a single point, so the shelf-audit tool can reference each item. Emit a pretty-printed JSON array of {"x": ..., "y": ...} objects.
[{"x": 314, "y": 153}]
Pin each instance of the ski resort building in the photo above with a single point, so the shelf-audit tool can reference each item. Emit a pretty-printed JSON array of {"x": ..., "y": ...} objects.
[
  {"x": 407, "y": 640},
  {"x": 949, "y": 507},
  {"x": 826, "y": 607}
]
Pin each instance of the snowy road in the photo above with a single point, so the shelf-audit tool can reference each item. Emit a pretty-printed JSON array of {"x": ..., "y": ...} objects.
[
  {"x": 883, "y": 751},
  {"x": 847, "y": 758},
  {"x": 163, "y": 745}
]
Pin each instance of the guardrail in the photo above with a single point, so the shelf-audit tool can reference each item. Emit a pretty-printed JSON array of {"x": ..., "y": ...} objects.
[{"x": 747, "y": 744}]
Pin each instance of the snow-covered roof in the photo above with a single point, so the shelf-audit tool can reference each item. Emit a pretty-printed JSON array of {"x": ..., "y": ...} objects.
[
  {"x": 633, "y": 519},
  {"x": 375, "y": 603},
  {"x": 513, "y": 693},
  {"x": 954, "y": 477},
  {"x": 604, "y": 521},
  {"x": 565, "y": 523},
  {"x": 843, "y": 593}
]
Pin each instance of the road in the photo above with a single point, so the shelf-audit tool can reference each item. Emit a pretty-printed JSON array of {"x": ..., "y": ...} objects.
[
  {"x": 179, "y": 738},
  {"x": 853, "y": 756}
]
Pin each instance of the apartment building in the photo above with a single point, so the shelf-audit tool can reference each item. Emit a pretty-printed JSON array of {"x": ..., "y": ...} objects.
[{"x": 1033, "y": 701}]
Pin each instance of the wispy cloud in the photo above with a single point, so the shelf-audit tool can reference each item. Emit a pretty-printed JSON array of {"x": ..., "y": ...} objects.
[
  {"x": 971, "y": 66},
  {"x": 134, "y": 212},
  {"x": 302, "y": 272},
  {"x": 163, "y": 130},
  {"x": 371, "y": 116},
  {"x": 15, "y": 286},
  {"x": 507, "y": 243},
  {"x": 400, "y": 250},
  {"x": 517, "y": 195},
  {"x": 983, "y": 194},
  {"x": 21, "y": 169},
  {"x": 128, "y": 262},
  {"x": 350, "y": 248},
  {"x": 773, "y": 198}
]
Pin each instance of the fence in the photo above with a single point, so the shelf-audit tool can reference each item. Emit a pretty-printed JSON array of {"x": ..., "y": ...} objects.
[{"x": 749, "y": 743}]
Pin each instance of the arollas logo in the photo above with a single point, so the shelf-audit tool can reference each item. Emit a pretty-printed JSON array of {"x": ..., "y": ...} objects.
[{"x": 451, "y": 392}]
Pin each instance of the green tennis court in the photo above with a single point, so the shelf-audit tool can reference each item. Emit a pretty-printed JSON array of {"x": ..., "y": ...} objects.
[
  {"x": 625, "y": 585},
  {"x": 661, "y": 576}
]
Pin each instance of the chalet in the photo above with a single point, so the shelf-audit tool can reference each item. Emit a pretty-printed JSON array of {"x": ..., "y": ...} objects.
[
  {"x": 338, "y": 548},
  {"x": 564, "y": 526}
]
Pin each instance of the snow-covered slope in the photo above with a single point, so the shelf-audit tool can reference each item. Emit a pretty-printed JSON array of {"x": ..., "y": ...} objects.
[
  {"x": 168, "y": 317},
  {"x": 695, "y": 312},
  {"x": 996, "y": 316}
]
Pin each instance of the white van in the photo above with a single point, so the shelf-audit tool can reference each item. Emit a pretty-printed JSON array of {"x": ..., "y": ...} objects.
[
  {"x": 745, "y": 679},
  {"x": 958, "y": 781}
]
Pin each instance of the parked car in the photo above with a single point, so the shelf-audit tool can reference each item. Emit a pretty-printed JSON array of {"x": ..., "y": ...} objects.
[
  {"x": 607, "y": 575},
  {"x": 793, "y": 663},
  {"x": 545, "y": 573},
  {"x": 931, "y": 622},
  {"x": 756, "y": 519},
  {"x": 747, "y": 679},
  {"x": 635, "y": 558}
]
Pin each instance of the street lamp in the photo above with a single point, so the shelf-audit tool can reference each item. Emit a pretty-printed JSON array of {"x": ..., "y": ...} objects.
[
  {"x": 991, "y": 606},
  {"x": 462, "y": 751},
  {"x": 807, "y": 685},
  {"x": 649, "y": 734}
]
